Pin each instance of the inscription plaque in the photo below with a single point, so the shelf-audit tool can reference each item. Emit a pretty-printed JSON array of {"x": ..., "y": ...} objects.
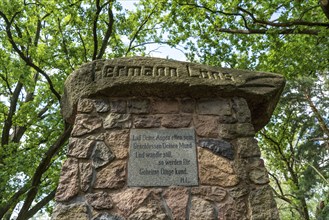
[{"x": 162, "y": 157}]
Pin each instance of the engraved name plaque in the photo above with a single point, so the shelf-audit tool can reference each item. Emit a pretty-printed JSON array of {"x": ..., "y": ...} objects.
[{"x": 162, "y": 157}]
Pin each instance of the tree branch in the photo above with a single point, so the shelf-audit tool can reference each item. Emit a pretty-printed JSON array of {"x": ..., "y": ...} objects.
[
  {"x": 284, "y": 24},
  {"x": 140, "y": 29},
  {"x": 268, "y": 32},
  {"x": 37, "y": 33},
  {"x": 43, "y": 166},
  {"x": 5, "y": 79},
  {"x": 21, "y": 130},
  {"x": 27, "y": 60},
  {"x": 29, "y": 97},
  {"x": 13, "y": 200},
  {"x": 325, "y": 7},
  {"x": 281, "y": 195},
  {"x": 317, "y": 114},
  {"x": 151, "y": 42},
  {"x": 64, "y": 44},
  {"x": 12, "y": 109},
  {"x": 108, "y": 32},
  {"x": 98, "y": 11},
  {"x": 40, "y": 204},
  {"x": 290, "y": 27},
  {"x": 84, "y": 46}
]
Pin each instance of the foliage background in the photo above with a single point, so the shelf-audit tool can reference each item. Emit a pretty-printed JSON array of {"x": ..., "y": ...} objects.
[{"x": 43, "y": 41}]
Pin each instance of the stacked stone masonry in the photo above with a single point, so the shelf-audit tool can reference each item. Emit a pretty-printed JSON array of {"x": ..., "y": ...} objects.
[{"x": 233, "y": 182}]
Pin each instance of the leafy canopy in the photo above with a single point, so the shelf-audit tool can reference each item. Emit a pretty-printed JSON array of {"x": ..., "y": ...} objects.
[{"x": 43, "y": 41}]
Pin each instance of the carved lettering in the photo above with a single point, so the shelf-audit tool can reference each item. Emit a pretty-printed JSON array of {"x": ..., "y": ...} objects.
[
  {"x": 204, "y": 74},
  {"x": 148, "y": 70},
  {"x": 108, "y": 71},
  {"x": 137, "y": 71},
  {"x": 160, "y": 71},
  {"x": 155, "y": 71},
  {"x": 130, "y": 71},
  {"x": 210, "y": 75},
  {"x": 122, "y": 70},
  {"x": 173, "y": 72},
  {"x": 156, "y": 154},
  {"x": 228, "y": 76},
  {"x": 215, "y": 75}
]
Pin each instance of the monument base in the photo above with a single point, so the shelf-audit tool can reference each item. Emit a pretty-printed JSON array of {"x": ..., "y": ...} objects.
[{"x": 163, "y": 158}]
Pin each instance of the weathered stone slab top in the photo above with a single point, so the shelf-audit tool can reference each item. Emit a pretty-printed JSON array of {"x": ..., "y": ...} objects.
[{"x": 146, "y": 76}]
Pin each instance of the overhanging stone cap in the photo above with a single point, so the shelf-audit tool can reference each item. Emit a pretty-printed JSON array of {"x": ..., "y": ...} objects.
[{"x": 146, "y": 76}]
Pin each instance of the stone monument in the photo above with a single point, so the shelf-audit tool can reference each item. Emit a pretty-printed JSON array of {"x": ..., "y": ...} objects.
[{"x": 160, "y": 139}]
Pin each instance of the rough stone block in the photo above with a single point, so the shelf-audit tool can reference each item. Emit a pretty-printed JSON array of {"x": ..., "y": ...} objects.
[
  {"x": 165, "y": 107},
  {"x": 69, "y": 212},
  {"x": 187, "y": 105},
  {"x": 241, "y": 110},
  {"x": 245, "y": 130},
  {"x": 176, "y": 121},
  {"x": 99, "y": 200},
  {"x": 220, "y": 107},
  {"x": 239, "y": 191},
  {"x": 118, "y": 106},
  {"x": 112, "y": 176},
  {"x": 118, "y": 141},
  {"x": 152, "y": 210},
  {"x": 102, "y": 155},
  {"x": 232, "y": 209},
  {"x": 231, "y": 131},
  {"x": 227, "y": 131},
  {"x": 177, "y": 199},
  {"x": 86, "y": 175},
  {"x": 131, "y": 199},
  {"x": 206, "y": 126},
  {"x": 69, "y": 181},
  {"x": 226, "y": 210},
  {"x": 241, "y": 167},
  {"x": 259, "y": 175},
  {"x": 139, "y": 106},
  {"x": 201, "y": 209},
  {"x": 210, "y": 193},
  {"x": 219, "y": 147},
  {"x": 85, "y": 105},
  {"x": 102, "y": 105},
  {"x": 114, "y": 120},
  {"x": 215, "y": 170},
  {"x": 147, "y": 121},
  {"x": 80, "y": 148},
  {"x": 262, "y": 204},
  {"x": 247, "y": 147},
  {"x": 107, "y": 216},
  {"x": 85, "y": 124},
  {"x": 97, "y": 136}
]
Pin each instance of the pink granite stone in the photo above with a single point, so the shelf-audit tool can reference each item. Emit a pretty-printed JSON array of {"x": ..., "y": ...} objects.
[
  {"x": 165, "y": 107},
  {"x": 129, "y": 200},
  {"x": 177, "y": 199},
  {"x": 112, "y": 176},
  {"x": 118, "y": 141},
  {"x": 206, "y": 125},
  {"x": 176, "y": 121},
  {"x": 86, "y": 174},
  {"x": 69, "y": 181},
  {"x": 100, "y": 200},
  {"x": 215, "y": 170},
  {"x": 201, "y": 209},
  {"x": 85, "y": 124}
]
